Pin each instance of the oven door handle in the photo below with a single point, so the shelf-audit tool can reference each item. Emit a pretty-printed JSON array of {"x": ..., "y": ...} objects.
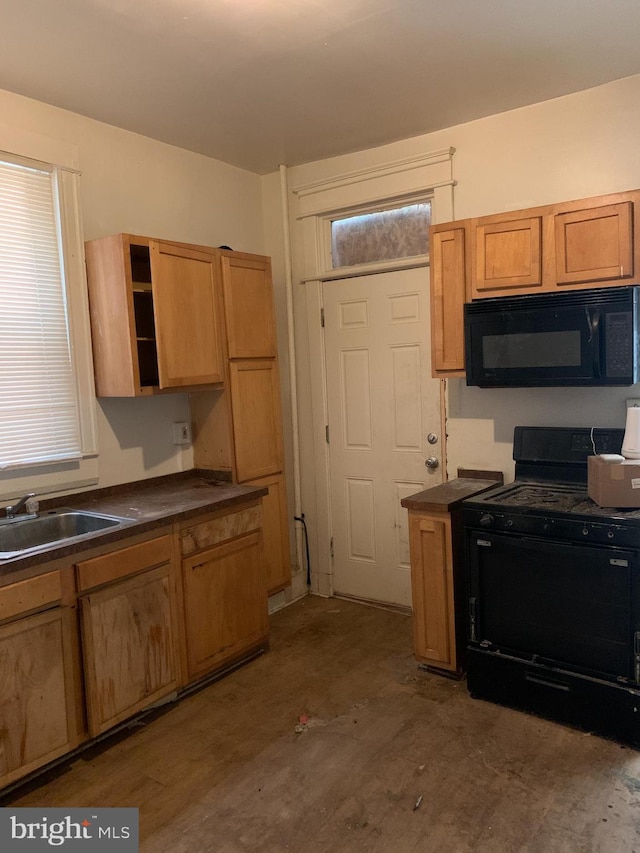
[{"x": 545, "y": 682}]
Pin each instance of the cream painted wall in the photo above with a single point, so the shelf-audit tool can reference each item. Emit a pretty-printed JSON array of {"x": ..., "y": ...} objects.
[
  {"x": 569, "y": 148},
  {"x": 133, "y": 184}
]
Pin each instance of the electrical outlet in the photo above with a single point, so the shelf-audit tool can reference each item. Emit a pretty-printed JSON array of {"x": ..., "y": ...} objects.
[
  {"x": 633, "y": 403},
  {"x": 182, "y": 433}
]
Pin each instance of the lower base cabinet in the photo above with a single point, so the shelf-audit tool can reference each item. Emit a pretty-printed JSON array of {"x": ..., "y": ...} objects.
[
  {"x": 225, "y": 603},
  {"x": 139, "y": 622},
  {"x": 127, "y": 633},
  {"x": 127, "y": 640},
  {"x": 37, "y": 705},
  {"x": 434, "y": 627},
  {"x": 275, "y": 532}
]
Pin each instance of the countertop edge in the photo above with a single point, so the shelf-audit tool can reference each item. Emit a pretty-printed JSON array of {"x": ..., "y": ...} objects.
[
  {"x": 200, "y": 495},
  {"x": 446, "y": 496}
]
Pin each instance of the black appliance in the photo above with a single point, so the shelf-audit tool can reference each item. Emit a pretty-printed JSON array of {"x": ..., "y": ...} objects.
[
  {"x": 586, "y": 337},
  {"x": 554, "y": 588}
]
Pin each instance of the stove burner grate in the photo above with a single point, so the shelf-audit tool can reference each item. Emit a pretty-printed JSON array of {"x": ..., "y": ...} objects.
[{"x": 562, "y": 498}]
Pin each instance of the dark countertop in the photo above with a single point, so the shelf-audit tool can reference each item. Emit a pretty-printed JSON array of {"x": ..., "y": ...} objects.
[
  {"x": 444, "y": 497},
  {"x": 145, "y": 504}
]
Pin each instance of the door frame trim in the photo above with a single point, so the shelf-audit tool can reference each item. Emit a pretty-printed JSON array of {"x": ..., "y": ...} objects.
[
  {"x": 441, "y": 211},
  {"x": 322, "y": 580}
]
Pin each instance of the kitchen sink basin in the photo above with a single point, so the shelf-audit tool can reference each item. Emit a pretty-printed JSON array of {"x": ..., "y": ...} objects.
[{"x": 19, "y": 536}]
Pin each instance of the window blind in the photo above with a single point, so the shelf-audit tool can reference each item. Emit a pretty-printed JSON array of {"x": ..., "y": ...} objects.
[{"x": 39, "y": 421}]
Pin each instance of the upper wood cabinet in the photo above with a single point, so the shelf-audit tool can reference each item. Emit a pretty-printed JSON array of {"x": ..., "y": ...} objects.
[
  {"x": 508, "y": 255},
  {"x": 240, "y": 428},
  {"x": 448, "y": 295},
  {"x": 257, "y": 421},
  {"x": 576, "y": 244},
  {"x": 186, "y": 312},
  {"x": 573, "y": 245},
  {"x": 594, "y": 245},
  {"x": 155, "y": 315},
  {"x": 248, "y": 306}
]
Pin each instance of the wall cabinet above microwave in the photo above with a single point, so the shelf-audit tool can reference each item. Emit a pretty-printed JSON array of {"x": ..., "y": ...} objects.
[
  {"x": 155, "y": 311},
  {"x": 573, "y": 245}
]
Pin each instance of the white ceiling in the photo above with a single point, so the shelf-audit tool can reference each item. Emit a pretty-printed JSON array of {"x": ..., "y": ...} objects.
[{"x": 257, "y": 83}]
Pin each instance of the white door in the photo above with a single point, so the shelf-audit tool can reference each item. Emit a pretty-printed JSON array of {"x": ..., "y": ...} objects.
[{"x": 382, "y": 405}]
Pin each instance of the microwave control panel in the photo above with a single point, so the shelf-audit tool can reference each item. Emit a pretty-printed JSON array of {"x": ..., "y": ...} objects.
[{"x": 619, "y": 337}]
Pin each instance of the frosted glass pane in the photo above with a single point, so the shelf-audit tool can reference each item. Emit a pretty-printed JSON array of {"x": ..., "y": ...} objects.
[{"x": 381, "y": 236}]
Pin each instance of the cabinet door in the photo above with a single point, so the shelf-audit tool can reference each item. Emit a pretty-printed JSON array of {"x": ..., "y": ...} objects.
[
  {"x": 225, "y": 603},
  {"x": 186, "y": 312},
  {"x": 128, "y": 644},
  {"x": 248, "y": 307},
  {"x": 110, "y": 282},
  {"x": 257, "y": 418},
  {"x": 275, "y": 531},
  {"x": 508, "y": 256},
  {"x": 37, "y": 709},
  {"x": 448, "y": 295},
  {"x": 432, "y": 590},
  {"x": 594, "y": 244}
]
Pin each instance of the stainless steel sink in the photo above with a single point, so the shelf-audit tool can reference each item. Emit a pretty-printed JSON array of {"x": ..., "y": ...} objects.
[{"x": 19, "y": 536}]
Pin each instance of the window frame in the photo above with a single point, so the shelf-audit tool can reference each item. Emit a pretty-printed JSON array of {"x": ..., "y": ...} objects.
[{"x": 60, "y": 158}]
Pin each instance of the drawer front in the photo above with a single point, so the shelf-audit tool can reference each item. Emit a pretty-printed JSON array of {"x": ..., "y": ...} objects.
[
  {"x": 208, "y": 533},
  {"x": 30, "y": 594},
  {"x": 125, "y": 561}
]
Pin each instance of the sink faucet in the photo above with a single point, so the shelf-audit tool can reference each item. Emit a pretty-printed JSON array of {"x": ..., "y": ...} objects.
[{"x": 14, "y": 509}]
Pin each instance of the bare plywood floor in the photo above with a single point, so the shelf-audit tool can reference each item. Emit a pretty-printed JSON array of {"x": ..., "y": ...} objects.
[{"x": 224, "y": 770}]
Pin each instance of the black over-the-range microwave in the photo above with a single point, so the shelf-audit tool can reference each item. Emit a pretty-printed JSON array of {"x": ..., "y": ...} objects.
[{"x": 587, "y": 337}]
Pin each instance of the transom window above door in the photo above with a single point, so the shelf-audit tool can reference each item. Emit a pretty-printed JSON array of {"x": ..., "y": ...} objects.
[{"x": 380, "y": 236}]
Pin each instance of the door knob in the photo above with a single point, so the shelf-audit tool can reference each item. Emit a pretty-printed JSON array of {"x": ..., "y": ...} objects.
[{"x": 432, "y": 463}]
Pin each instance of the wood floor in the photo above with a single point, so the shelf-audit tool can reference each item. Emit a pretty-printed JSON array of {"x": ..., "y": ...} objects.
[{"x": 392, "y": 759}]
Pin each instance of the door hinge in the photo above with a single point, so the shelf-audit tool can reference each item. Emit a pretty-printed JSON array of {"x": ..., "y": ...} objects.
[
  {"x": 331, "y": 547},
  {"x": 326, "y": 433},
  {"x": 322, "y": 317}
]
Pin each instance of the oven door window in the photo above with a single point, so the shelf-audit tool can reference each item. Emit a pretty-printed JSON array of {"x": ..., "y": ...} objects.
[{"x": 569, "y": 604}]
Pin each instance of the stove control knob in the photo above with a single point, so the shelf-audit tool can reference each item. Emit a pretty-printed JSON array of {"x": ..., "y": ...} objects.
[
  {"x": 486, "y": 520},
  {"x": 610, "y": 534},
  {"x": 585, "y": 531},
  {"x": 509, "y": 522}
]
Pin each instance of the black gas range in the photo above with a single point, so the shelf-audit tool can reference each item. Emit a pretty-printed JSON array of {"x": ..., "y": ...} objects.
[{"x": 554, "y": 588}]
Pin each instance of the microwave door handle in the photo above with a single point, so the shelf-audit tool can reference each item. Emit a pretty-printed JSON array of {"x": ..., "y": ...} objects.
[{"x": 594, "y": 318}]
